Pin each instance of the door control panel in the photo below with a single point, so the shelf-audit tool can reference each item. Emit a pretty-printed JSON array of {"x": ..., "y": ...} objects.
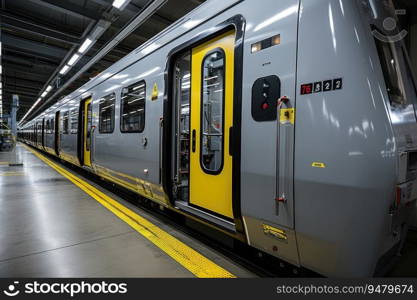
[{"x": 266, "y": 92}]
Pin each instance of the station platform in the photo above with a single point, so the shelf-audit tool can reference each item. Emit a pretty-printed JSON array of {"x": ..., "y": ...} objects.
[{"x": 55, "y": 223}]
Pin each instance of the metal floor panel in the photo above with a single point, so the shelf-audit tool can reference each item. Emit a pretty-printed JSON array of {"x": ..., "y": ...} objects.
[{"x": 51, "y": 228}]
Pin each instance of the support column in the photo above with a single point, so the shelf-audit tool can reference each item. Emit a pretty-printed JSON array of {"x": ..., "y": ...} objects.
[{"x": 15, "y": 106}]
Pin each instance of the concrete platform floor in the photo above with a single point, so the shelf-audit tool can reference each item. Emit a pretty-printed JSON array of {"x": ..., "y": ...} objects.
[{"x": 51, "y": 228}]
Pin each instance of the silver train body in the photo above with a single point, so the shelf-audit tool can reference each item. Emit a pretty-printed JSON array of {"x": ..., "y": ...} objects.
[{"x": 306, "y": 128}]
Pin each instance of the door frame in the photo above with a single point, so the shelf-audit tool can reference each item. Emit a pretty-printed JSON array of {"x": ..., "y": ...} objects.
[
  {"x": 238, "y": 23},
  {"x": 80, "y": 131}
]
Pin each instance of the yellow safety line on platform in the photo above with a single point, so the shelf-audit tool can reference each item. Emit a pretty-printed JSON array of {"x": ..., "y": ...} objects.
[{"x": 190, "y": 259}]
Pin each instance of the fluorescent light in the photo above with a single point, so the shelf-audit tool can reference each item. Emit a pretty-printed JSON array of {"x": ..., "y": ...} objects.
[
  {"x": 100, "y": 28},
  {"x": 1, "y": 85},
  {"x": 44, "y": 94},
  {"x": 118, "y": 3},
  {"x": 64, "y": 70},
  {"x": 73, "y": 59},
  {"x": 1, "y": 69},
  {"x": 48, "y": 89},
  {"x": 85, "y": 45}
]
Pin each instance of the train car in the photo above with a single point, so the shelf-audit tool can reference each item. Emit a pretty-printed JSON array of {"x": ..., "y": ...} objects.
[{"x": 289, "y": 125}]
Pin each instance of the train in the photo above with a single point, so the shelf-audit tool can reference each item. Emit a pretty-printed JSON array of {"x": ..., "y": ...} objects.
[{"x": 289, "y": 125}]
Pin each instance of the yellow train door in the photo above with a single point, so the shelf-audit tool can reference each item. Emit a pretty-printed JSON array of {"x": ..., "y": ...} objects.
[
  {"x": 212, "y": 73},
  {"x": 87, "y": 132}
]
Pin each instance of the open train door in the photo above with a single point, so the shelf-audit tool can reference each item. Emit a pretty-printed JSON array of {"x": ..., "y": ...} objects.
[
  {"x": 202, "y": 126},
  {"x": 211, "y": 123},
  {"x": 86, "y": 122},
  {"x": 206, "y": 110}
]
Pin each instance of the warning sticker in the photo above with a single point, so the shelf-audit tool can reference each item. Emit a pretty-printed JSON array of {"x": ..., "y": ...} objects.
[
  {"x": 274, "y": 232},
  {"x": 155, "y": 92},
  {"x": 287, "y": 115},
  {"x": 318, "y": 165}
]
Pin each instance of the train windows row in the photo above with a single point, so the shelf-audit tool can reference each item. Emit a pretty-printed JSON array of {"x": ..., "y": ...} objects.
[
  {"x": 132, "y": 110},
  {"x": 132, "y": 113}
]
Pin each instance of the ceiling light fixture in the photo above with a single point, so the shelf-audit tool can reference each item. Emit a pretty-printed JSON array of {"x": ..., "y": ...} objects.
[
  {"x": 64, "y": 70},
  {"x": 73, "y": 59},
  {"x": 87, "y": 43},
  {"x": 120, "y": 4}
]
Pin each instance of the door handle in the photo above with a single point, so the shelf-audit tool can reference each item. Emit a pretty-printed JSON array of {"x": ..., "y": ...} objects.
[{"x": 193, "y": 140}]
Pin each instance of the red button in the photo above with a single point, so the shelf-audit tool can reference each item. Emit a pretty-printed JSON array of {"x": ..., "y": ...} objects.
[{"x": 265, "y": 106}]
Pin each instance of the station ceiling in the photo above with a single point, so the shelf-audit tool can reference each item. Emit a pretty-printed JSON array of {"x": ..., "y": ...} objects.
[{"x": 38, "y": 35}]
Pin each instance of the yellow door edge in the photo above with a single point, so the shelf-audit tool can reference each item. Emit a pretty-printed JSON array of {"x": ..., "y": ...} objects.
[{"x": 87, "y": 152}]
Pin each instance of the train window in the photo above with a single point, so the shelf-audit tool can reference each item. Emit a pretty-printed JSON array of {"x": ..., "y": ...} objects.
[
  {"x": 74, "y": 121},
  {"x": 133, "y": 108},
  {"x": 39, "y": 132},
  {"x": 47, "y": 127},
  {"x": 52, "y": 124},
  {"x": 212, "y": 115},
  {"x": 106, "y": 115},
  {"x": 65, "y": 123},
  {"x": 399, "y": 81}
]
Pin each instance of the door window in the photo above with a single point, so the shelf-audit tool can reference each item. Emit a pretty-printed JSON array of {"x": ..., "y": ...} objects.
[{"x": 212, "y": 114}]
